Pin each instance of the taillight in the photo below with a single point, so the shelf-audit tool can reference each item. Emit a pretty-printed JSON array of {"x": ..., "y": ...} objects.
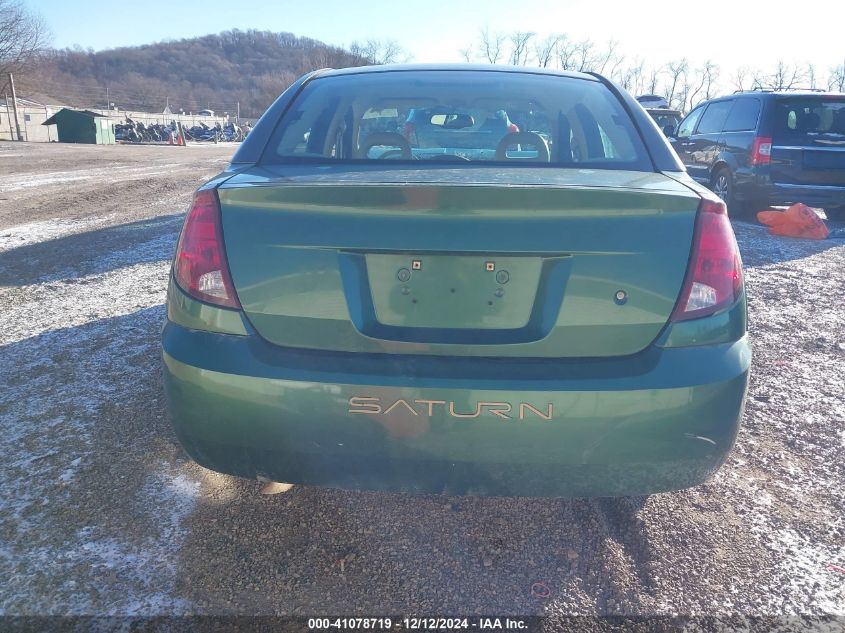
[
  {"x": 761, "y": 150},
  {"x": 714, "y": 276},
  {"x": 201, "y": 268},
  {"x": 513, "y": 128}
]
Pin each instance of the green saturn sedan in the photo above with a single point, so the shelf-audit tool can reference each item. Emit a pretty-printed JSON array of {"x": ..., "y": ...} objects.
[{"x": 460, "y": 279}]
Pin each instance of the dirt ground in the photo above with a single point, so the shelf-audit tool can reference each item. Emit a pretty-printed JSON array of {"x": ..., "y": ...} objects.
[{"x": 102, "y": 513}]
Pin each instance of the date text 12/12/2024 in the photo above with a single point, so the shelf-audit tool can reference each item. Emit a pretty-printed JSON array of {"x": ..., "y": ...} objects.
[{"x": 417, "y": 624}]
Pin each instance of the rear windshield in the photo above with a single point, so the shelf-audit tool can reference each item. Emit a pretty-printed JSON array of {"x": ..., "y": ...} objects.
[
  {"x": 664, "y": 120},
  {"x": 810, "y": 120},
  {"x": 460, "y": 117}
]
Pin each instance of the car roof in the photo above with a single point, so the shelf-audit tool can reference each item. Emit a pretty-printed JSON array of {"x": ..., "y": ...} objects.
[
  {"x": 785, "y": 93},
  {"x": 771, "y": 94},
  {"x": 356, "y": 70}
]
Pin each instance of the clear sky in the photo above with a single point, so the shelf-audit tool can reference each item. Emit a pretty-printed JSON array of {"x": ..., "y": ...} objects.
[{"x": 731, "y": 33}]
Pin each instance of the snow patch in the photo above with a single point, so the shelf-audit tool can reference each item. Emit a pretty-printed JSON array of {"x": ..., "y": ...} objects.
[
  {"x": 68, "y": 348},
  {"x": 35, "y": 232},
  {"x": 41, "y": 179}
]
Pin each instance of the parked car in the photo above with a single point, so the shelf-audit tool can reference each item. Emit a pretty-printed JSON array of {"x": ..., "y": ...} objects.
[
  {"x": 667, "y": 119},
  {"x": 655, "y": 102},
  {"x": 658, "y": 108},
  {"x": 761, "y": 148},
  {"x": 205, "y": 113},
  {"x": 514, "y": 322}
]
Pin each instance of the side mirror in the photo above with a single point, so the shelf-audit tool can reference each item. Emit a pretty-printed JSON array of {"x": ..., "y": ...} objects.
[{"x": 669, "y": 130}]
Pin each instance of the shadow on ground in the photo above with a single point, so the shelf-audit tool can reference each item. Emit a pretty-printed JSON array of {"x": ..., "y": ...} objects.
[
  {"x": 92, "y": 485},
  {"x": 93, "y": 252},
  {"x": 317, "y": 551}
]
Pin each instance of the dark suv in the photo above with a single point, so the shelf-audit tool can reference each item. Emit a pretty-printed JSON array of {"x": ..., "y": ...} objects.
[{"x": 761, "y": 148}]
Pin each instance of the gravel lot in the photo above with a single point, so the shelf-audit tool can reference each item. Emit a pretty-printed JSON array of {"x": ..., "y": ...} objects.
[{"x": 102, "y": 513}]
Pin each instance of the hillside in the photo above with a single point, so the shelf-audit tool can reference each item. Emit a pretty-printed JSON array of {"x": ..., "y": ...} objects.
[{"x": 249, "y": 68}]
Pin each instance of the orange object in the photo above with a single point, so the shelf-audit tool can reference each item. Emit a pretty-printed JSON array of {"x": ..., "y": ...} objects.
[{"x": 799, "y": 220}]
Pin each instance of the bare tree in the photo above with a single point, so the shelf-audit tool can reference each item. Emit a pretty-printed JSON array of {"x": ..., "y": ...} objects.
[
  {"x": 703, "y": 85},
  {"x": 785, "y": 76},
  {"x": 631, "y": 77},
  {"x": 743, "y": 78},
  {"x": 601, "y": 60},
  {"x": 759, "y": 79},
  {"x": 711, "y": 72},
  {"x": 811, "y": 76},
  {"x": 836, "y": 78},
  {"x": 677, "y": 70},
  {"x": 584, "y": 55},
  {"x": 519, "y": 47},
  {"x": 682, "y": 96},
  {"x": 490, "y": 45},
  {"x": 545, "y": 50},
  {"x": 356, "y": 50},
  {"x": 383, "y": 52},
  {"x": 23, "y": 35},
  {"x": 566, "y": 53},
  {"x": 681, "y": 84},
  {"x": 614, "y": 65},
  {"x": 653, "y": 79},
  {"x": 693, "y": 91}
]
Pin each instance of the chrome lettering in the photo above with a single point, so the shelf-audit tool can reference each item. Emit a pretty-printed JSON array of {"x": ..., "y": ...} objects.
[
  {"x": 464, "y": 415},
  {"x": 501, "y": 409},
  {"x": 369, "y": 405},
  {"x": 396, "y": 404},
  {"x": 430, "y": 404},
  {"x": 523, "y": 406}
]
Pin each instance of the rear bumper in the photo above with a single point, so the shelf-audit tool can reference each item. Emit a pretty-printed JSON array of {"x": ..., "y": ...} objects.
[
  {"x": 662, "y": 420},
  {"x": 778, "y": 194}
]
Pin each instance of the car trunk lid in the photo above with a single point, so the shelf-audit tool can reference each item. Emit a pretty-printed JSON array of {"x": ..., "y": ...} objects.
[{"x": 562, "y": 263}]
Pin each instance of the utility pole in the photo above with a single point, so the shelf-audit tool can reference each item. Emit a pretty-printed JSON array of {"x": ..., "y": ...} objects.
[
  {"x": 238, "y": 117},
  {"x": 15, "y": 106},
  {"x": 108, "y": 107},
  {"x": 9, "y": 117}
]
